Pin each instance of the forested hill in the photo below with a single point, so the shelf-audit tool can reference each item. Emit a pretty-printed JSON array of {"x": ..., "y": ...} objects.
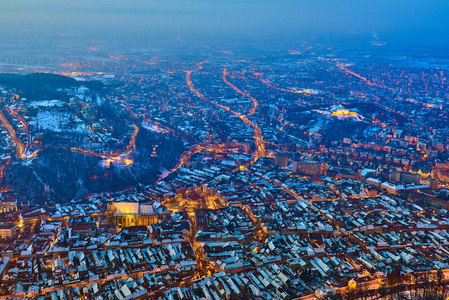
[{"x": 44, "y": 85}]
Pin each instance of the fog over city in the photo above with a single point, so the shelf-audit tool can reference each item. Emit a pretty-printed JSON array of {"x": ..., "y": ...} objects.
[{"x": 417, "y": 23}]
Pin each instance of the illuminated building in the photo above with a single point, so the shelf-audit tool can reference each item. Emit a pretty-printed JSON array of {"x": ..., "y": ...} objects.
[
  {"x": 352, "y": 284},
  {"x": 35, "y": 215},
  {"x": 8, "y": 231},
  {"x": 442, "y": 172},
  {"x": 8, "y": 205},
  {"x": 344, "y": 113},
  {"x": 128, "y": 213},
  {"x": 421, "y": 146},
  {"x": 432, "y": 183}
]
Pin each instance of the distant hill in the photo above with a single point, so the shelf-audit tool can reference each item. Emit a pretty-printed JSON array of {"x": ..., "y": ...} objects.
[
  {"x": 43, "y": 85},
  {"x": 368, "y": 109}
]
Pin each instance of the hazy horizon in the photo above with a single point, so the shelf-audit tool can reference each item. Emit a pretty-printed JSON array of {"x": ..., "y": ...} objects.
[{"x": 402, "y": 22}]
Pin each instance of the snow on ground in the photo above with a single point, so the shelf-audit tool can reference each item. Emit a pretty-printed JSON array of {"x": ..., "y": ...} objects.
[
  {"x": 152, "y": 127},
  {"x": 371, "y": 130},
  {"x": 317, "y": 126},
  {"x": 57, "y": 122},
  {"x": 83, "y": 93},
  {"x": 47, "y": 103},
  {"x": 164, "y": 173}
]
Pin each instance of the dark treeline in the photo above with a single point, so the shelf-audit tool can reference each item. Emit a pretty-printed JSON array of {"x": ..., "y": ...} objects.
[{"x": 37, "y": 86}]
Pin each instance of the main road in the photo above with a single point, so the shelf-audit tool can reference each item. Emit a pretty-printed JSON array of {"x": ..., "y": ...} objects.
[
  {"x": 21, "y": 150},
  {"x": 255, "y": 102},
  {"x": 366, "y": 80},
  {"x": 112, "y": 155},
  {"x": 260, "y": 143}
]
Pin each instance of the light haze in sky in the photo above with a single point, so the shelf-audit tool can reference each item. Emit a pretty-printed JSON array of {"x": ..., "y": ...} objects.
[{"x": 420, "y": 21}]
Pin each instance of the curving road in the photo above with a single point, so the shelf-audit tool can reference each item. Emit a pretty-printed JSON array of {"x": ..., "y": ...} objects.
[
  {"x": 112, "y": 155},
  {"x": 255, "y": 102},
  {"x": 21, "y": 150},
  {"x": 260, "y": 143}
]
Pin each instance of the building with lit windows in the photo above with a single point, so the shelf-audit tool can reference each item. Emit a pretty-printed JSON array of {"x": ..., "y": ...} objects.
[
  {"x": 128, "y": 213},
  {"x": 8, "y": 205},
  {"x": 8, "y": 231}
]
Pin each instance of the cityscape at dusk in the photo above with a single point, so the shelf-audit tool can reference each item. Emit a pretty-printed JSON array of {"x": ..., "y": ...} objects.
[{"x": 224, "y": 149}]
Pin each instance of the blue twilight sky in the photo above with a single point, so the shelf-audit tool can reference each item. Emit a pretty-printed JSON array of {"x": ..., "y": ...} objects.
[{"x": 423, "y": 21}]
